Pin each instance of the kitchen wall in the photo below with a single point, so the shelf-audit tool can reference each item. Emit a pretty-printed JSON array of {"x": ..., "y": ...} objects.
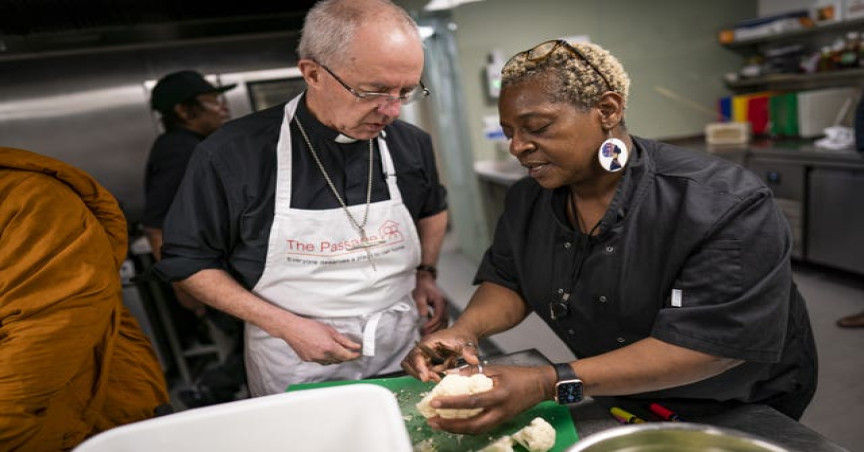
[{"x": 669, "y": 48}]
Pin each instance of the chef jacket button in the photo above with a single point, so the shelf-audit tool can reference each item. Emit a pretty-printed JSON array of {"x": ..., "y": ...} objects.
[
  {"x": 571, "y": 331},
  {"x": 610, "y": 249},
  {"x": 567, "y": 245},
  {"x": 603, "y": 298},
  {"x": 621, "y": 340}
]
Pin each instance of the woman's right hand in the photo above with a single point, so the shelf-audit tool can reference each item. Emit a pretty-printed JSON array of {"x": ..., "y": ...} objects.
[
  {"x": 515, "y": 389},
  {"x": 439, "y": 352}
]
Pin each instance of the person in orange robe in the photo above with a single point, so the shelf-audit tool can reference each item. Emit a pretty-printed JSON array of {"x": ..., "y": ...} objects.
[{"x": 73, "y": 360}]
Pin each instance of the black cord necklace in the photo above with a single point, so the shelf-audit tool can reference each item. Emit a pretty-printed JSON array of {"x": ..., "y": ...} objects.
[
  {"x": 580, "y": 223},
  {"x": 560, "y": 308}
]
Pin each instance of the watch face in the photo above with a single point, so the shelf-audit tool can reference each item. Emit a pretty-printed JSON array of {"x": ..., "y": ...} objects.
[{"x": 569, "y": 392}]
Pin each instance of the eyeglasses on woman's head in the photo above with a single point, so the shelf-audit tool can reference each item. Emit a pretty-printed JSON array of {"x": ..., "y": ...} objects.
[{"x": 542, "y": 51}]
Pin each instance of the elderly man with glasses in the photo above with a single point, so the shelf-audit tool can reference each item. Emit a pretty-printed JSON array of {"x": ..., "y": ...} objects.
[{"x": 319, "y": 222}]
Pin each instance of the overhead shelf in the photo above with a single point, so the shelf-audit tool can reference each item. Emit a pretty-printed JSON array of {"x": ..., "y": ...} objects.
[
  {"x": 800, "y": 81},
  {"x": 804, "y": 33}
]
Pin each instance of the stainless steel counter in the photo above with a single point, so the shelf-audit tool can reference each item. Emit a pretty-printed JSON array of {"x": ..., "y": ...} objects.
[
  {"x": 802, "y": 152},
  {"x": 591, "y": 417}
]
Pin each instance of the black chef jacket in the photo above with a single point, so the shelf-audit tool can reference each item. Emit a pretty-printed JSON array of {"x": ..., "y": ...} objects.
[
  {"x": 165, "y": 167},
  {"x": 224, "y": 208},
  {"x": 692, "y": 251}
]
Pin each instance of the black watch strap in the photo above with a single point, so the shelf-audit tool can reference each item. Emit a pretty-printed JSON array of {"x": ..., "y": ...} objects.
[
  {"x": 565, "y": 372},
  {"x": 568, "y": 388},
  {"x": 429, "y": 269}
]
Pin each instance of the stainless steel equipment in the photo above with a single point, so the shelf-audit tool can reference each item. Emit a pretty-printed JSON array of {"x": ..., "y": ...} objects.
[
  {"x": 673, "y": 437},
  {"x": 90, "y": 108}
]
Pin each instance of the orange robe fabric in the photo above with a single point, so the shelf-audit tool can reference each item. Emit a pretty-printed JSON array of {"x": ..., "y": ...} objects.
[{"x": 73, "y": 360}]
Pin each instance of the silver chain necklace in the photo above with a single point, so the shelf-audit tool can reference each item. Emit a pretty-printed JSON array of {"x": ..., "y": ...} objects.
[{"x": 360, "y": 226}]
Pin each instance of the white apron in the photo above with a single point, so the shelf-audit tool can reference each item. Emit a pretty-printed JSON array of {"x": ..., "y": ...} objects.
[{"x": 314, "y": 270}]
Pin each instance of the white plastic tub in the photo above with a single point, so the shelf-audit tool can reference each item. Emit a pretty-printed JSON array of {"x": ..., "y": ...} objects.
[{"x": 352, "y": 417}]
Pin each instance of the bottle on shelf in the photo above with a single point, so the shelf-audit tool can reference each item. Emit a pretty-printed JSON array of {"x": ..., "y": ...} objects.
[
  {"x": 826, "y": 61},
  {"x": 849, "y": 54},
  {"x": 836, "y": 52},
  {"x": 859, "y": 126},
  {"x": 861, "y": 50}
]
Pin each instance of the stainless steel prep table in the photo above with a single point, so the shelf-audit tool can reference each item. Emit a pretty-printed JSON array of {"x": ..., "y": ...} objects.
[{"x": 591, "y": 417}]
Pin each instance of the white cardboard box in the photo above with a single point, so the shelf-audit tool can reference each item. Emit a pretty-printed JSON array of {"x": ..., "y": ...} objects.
[{"x": 727, "y": 133}]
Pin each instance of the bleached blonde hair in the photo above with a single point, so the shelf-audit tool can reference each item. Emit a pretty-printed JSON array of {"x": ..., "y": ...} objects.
[{"x": 567, "y": 78}]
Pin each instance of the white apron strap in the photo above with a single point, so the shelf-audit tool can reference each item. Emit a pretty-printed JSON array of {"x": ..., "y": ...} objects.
[{"x": 372, "y": 326}]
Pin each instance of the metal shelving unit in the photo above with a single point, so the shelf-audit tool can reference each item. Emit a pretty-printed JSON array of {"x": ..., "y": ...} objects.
[
  {"x": 842, "y": 77},
  {"x": 817, "y": 32},
  {"x": 815, "y": 37}
]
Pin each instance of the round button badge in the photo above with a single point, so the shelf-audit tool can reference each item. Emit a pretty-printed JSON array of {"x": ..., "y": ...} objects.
[{"x": 613, "y": 155}]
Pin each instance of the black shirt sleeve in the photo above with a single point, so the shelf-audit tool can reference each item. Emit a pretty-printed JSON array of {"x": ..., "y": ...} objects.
[
  {"x": 436, "y": 198},
  {"x": 499, "y": 264},
  {"x": 165, "y": 168},
  {"x": 197, "y": 225},
  {"x": 733, "y": 292},
  {"x": 417, "y": 172}
]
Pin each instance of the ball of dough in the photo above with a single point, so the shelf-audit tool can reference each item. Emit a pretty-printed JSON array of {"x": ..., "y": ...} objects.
[
  {"x": 453, "y": 385},
  {"x": 538, "y": 436}
]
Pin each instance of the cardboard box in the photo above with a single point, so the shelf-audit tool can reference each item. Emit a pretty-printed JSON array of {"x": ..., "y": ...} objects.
[
  {"x": 827, "y": 13},
  {"x": 727, "y": 133}
]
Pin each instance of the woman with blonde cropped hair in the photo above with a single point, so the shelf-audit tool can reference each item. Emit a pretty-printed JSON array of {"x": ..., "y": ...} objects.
[{"x": 665, "y": 271}]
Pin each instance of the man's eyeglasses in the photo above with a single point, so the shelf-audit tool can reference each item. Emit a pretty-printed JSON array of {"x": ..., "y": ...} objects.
[
  {"x": 418, "y": 92},
  {"x": 214, "y": 103},
  {"x": 542, "y": 51}
]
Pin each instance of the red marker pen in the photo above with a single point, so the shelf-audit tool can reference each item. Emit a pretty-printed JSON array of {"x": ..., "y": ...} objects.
[{"x": 664, "y": 412}]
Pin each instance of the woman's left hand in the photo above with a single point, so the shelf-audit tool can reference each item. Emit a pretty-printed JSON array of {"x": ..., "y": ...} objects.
[{"x": 515, "y": 390}]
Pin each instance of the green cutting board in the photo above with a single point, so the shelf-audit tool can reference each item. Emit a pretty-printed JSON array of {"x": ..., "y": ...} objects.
[{"x": 409, "y": 391}]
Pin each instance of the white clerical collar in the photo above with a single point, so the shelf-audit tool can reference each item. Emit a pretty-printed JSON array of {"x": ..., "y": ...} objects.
[{"x": 345, "y": 139}]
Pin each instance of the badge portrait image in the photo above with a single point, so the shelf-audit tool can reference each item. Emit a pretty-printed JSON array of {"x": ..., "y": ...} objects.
[{"x": 613, "y": 155}]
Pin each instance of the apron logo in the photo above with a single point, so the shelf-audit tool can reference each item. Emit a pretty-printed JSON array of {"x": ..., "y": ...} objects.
[
  {"x": 390, "y": 230},
  {"x": 389, "y": 233}
]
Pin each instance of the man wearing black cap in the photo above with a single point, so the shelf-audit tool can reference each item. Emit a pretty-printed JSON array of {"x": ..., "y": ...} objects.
[{"x": 191, "y": 109}]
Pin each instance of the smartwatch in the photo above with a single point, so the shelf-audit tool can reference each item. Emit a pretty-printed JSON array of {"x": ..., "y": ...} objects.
[{"x": 568, "y": 389}]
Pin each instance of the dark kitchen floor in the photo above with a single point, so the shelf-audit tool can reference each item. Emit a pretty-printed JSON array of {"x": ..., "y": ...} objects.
[{"x": 830, "y": 295}]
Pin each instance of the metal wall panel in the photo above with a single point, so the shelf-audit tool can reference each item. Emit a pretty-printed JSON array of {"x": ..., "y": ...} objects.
[
  {"x": 91, "y": 110},
  {"x": 836, "y": 222}
]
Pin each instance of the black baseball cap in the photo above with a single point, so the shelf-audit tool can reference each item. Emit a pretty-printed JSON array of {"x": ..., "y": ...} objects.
[{"x": 177, "y": 87}]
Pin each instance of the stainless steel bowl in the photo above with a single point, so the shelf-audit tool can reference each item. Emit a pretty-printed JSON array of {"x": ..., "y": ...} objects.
[{"x": 673, "y": 437}]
